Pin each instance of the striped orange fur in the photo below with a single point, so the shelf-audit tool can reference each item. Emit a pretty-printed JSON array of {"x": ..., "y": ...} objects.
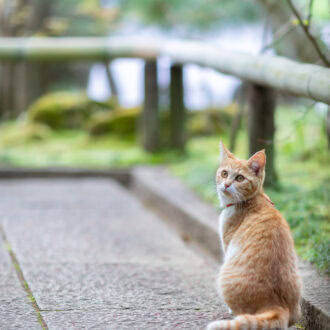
[{"x": 259, "y": 278}]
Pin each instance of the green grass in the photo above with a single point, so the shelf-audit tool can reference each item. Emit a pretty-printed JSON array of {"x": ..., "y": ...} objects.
[
  {"x": 302, "y": 162},
  {"x": 74, "y": 148}
]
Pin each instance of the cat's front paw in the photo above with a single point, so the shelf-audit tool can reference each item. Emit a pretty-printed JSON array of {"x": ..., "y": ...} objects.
[{"x": 215, "y": 325}]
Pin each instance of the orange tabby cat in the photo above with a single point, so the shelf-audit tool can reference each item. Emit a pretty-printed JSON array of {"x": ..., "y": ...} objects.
[{"x": 259, "y": 278}]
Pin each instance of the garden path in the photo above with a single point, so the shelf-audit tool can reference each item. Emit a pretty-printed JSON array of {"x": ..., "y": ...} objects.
[{"x": 86, "y": 254}]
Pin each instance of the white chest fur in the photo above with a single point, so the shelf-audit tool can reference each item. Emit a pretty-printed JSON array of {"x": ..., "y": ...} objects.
[
  {"x": 232, "y": 251},
  {"x": 224, "y": 217}
]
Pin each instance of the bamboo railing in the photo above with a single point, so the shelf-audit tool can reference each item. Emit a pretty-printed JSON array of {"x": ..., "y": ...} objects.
[{"x": 307, "y": 80}]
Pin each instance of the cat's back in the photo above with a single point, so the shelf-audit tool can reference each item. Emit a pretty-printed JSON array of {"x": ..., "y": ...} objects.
[
  {"x": 264, "y": 237},
  {"x": 264, "y": 220}
]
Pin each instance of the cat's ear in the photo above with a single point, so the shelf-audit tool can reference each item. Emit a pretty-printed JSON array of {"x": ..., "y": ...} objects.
[
  {"x": 224, "y": 153},
  {"x": 257, "y": 162}
]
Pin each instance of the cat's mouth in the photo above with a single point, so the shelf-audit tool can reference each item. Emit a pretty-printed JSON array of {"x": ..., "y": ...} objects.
[{"x": 225, "y": 191}]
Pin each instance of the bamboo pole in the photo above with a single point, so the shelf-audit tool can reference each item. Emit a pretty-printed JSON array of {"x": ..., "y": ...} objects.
[{"x": 307, "y": 80}]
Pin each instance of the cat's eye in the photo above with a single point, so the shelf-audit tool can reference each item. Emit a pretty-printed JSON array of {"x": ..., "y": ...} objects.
[
  {"x": 239, "y": 178},
  {"x": 224, "y": 174}
]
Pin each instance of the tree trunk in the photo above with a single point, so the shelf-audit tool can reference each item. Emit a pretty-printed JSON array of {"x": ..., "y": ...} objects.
[{"x": 261, "y": 127}]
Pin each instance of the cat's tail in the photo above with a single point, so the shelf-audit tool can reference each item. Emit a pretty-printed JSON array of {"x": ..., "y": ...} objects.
[{"x": 275, "y": 318}]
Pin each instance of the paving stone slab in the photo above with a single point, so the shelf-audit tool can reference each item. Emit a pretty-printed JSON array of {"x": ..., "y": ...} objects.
[
  {"x": 130, "y": 319},
  {"x": 16, "y": 311},
  {"x": 88, "y": 221},
  {"x": 126, "y": 286}
]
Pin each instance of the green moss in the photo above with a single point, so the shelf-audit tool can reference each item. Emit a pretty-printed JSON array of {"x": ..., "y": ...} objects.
[
  {"x": 109, "y": 104},
  {"x": 199, "y": 124},
  {"x": 60, "y": 109},
  {"x": 66, "y": 110},
  {"x": 122, "y": 122},
  {"x": 22, "y": 133},
  {"x": 210, "y": 121}
]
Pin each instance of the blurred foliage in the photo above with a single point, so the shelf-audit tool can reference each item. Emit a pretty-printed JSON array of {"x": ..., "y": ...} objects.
[
  {"x": 81, "y": 18},
  {"x": 66, "y": 110},
  {"x": 24, "y": 132},
  {"x": 320, "y": 8},
  {"x": 73, "y": 110},
  {"x": 96, "y": 17},
  {"x": 198, "y": 13},
  {"x": 122, "y": 122},
  {"x": 60, "y": 110},
  {"x": 57, "y": 18},
  {"x": 76, "y": 148},
  {"x": 210, "y": 121},
  {"x": 205, "y": 14}
]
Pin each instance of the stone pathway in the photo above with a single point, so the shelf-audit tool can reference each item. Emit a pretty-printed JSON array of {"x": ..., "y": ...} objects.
[{"x": 86, "y": 254}]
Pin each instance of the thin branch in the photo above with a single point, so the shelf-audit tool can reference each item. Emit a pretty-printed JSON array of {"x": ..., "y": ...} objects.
[
  {"x": 310, "y": 8},
  {"x": 308, "y": 34},
  {"x": 279, "y": 35},
  {"x": 265, "y": 31}
]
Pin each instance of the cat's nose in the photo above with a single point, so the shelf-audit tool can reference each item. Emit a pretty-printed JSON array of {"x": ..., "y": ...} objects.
[{"x": 227, "y": 185}]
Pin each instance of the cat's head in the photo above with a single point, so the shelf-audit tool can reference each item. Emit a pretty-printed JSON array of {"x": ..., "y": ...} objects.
[{"x": 239, "y": 180}]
